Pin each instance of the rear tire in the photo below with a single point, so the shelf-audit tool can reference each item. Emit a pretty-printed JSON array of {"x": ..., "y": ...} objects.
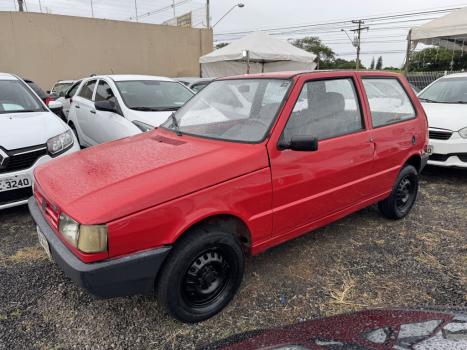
[
  {"x": 201, "y": 275},
  {"x": 403, "y": 195}
]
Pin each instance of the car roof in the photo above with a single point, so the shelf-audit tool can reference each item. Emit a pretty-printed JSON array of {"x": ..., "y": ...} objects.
[
  {"x": 128, "y": 77},
  {"x": 455, "y": 75},
  {"x": 292, "y": 74},
  {"x": 65, "y": 81},
  {"x": 7, "y": 76}
]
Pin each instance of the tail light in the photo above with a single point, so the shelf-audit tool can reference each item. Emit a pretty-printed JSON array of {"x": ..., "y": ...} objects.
[{"x": 49, "y": 99}]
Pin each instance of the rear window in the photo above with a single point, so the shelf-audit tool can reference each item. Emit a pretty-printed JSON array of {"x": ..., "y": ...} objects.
[
  {"x": 389, "y": 103},
  {"x": 16, "y": 97}
]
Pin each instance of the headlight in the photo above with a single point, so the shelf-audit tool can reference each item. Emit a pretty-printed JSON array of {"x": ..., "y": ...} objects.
[
  {"x": 60, "y": 142},
  {"x": 463, "y": 133},
  {"x": 86, "y": 238},
  {"x": 143, "y": 126}
]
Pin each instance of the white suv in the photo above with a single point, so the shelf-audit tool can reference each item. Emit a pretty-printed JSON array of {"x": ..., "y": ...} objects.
[
  {"x": 445, "y": 104},
  {"x": 30, "y": 134},
  {"x": 111, "y": 107}
]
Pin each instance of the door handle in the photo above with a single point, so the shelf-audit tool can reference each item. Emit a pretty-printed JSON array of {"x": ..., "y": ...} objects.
[
  {"x": 371, "y": 139},
  {"x": 93, "y": 112},
  {"x": 77, "y": 106}
]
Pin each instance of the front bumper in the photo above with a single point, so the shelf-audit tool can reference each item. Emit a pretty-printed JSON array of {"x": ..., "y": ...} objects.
[
  {"x": 21, "y": 197},
  {"x": 449, "y": 153},
  {"x": 129, "y": 275}
]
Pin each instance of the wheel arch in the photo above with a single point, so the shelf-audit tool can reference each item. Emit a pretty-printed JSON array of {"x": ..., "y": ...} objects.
[{"x": 414, "y": 160}]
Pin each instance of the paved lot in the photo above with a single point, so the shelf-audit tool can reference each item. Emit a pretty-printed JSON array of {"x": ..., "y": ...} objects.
[{"x": 363, "y": 261}]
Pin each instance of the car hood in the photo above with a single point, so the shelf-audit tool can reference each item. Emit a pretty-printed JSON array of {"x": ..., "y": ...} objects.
[
  {"x": 446, "y": 116},
  {"x": 112, "y": 180},
  {"x": 20, "y": 130},
  {"x": 152, "y": 118}
]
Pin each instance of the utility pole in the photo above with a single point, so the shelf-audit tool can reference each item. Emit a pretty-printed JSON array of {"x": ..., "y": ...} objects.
[
  {"x": 173, "y": 6},
  {"x": 20, "y": 6},
  {"x": 136, "y": 11},
  {"x": 357, "y": 44},
  {"x": 92, "y": 9},
  {"x": 208, "y": 15}
]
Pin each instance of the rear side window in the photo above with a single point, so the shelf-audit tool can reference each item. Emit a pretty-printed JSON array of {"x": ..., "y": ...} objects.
[
  {"x": 73, "y": 89},
  {"x": 104, "y": 92},
  {"x": 389, "y": 103},
  {"x": 87, "y": 90},
  {"x": 325, "y": 109}
]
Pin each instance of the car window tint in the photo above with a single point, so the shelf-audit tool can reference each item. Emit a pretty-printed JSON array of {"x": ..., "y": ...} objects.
[
  {"x": 389, "y": 103},
  {"x": 104, "y": 92},
  {"x": 16, "y": 97},
  {"x": 325, "y": 109},
  {"x": 73, "y": 89},
  {"x": 87, "y": 90}
]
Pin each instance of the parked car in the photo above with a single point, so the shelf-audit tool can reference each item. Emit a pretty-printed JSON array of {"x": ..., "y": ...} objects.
[
  {"x": 194, "y": 83},
  {"x": 44, "y": 96},
  {"x": 67, "y": 98},
  {"x": 111, "y": 107},
  {"x": 61, "y": 86},
  {"x": 439, "y": 328},
  {"x": 30, "y": 135},
  {"x": 181, "y": 206},
  {"x": 445, "y": 103}
]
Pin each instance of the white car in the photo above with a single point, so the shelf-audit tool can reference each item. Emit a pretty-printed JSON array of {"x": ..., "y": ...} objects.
[
  {"x": 111, "y": 107},
  {"x": 445, "y": 103},
  {"x": 30, "y": 135},
  {"x": 66, "y": 97},
  {"x": 61, "y": 86}
]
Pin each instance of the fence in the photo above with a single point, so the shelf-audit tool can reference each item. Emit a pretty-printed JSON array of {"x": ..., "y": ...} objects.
[{"x": 422, "y": 79}]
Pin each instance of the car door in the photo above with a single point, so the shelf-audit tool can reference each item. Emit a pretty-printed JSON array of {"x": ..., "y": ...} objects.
[
  {"x": 85, "y": 112},
  {"x": 68, "y": 97},
  {"x": 109, "y": 125},
  {"x": 395, "y": 130},
  {"x": 309, "y": 186}
]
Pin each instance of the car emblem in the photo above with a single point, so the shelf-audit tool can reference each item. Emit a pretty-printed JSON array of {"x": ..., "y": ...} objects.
[{"x": 3, "y": 158}]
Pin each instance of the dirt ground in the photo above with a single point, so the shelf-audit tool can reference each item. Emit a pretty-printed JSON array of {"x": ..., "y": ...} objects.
[{"x": 363, "y": 261}]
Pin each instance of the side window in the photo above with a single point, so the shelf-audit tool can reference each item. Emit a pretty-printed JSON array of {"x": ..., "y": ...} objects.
[
  {"x": 73, "y": 89},
  {"x": 388, "y": 101},
  {"x": 325, "y": 109},
  {"x": 104, "y": 92},
  {"x": 87, "y": 90}
]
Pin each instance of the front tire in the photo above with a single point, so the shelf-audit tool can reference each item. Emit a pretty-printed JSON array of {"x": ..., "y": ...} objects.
[
  {"x": 201, "y": 275},
  {"x": 403, "y": 195}
]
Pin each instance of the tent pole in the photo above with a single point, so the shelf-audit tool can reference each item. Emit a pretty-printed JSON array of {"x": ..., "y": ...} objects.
[{"x": 407, "y": 54}]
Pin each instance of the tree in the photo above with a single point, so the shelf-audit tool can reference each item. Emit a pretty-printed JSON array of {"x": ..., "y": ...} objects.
[
  {"x": 221, "y": 45},
  {"x": 379, "y": 63},
  {"x": 372, "y": 64},
  {"x": 324, "y": 54},
  {"x": 438, "y": 59}
]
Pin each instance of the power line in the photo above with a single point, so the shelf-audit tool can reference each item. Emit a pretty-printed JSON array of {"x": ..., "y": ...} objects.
[{"x": 161, "y": 9}]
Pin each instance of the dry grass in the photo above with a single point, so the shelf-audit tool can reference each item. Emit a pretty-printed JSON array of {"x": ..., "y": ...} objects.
[{"x": 28, "y": 254}]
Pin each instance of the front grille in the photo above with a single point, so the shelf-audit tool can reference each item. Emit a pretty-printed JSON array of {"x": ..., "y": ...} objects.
[
  {"x": 440, "y": 135},
  {"x": 23, "y": 158},
  {"x": 444, "y": 157},
  {"x": 50, "y": 211},
  {"x": 12, "y": 196}
]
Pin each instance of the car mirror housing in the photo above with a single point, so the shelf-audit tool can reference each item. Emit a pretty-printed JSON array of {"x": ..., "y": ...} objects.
[
  {"x": 55, "y": 105},
  {"x": 300, "y": 143},
  {"x": 106, "y": 106}
]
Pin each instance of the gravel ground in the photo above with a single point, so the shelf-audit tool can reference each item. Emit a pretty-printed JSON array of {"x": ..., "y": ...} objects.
[{"x": 363, "y": 261}]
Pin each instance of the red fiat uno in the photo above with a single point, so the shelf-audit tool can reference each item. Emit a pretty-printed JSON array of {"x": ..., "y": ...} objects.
[{"x": 246, "y": 164}]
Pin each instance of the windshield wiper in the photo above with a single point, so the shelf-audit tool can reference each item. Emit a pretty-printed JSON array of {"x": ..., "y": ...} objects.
[
  {"x": 155, "y": 109},
  {"x": 175, "y": 124},
  {"x": 428, "y": 100}
]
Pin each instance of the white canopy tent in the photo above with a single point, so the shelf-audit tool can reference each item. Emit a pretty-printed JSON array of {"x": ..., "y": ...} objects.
[
  {"x": 265, "y": 54},
  {"x": 449, "y": 31}
]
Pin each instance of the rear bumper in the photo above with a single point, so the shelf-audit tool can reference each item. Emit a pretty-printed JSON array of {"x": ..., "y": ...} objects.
[{"x": 129, "y": 275}]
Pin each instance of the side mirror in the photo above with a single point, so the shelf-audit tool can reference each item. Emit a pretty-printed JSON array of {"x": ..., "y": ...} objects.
[
  {"x": 301, "y": 143},
  {"x": 55, "y": 105},
  {"x": 62, "y": 94},
  {"x": 48, "y": 91},
  {"x": 105, "y": 106}
]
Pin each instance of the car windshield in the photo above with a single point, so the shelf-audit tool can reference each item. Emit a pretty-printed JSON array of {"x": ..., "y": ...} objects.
[
  {"x": 239, "y": 110},
  {"x": 16, "y": 97},
  {"x": 446, "y": 90},
  {"x": 153, "y": 95},
  {"x": 61, "y": 87}
]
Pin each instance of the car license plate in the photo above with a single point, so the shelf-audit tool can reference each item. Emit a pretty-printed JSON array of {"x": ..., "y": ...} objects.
[
  {"x": 429, "y": 149},
  {"x": 43, "y": 242},
  {"x": 15, "y": 182}
]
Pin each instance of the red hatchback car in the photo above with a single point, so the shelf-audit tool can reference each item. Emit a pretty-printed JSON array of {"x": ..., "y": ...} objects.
[{"x": 246, "y": 164}]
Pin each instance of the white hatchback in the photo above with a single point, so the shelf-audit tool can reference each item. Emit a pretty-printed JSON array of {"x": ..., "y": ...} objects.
[
  {"x": 445, "y": 104},
  {"x": 111, "y": 107},
  {"x": 30, "y": 134}
]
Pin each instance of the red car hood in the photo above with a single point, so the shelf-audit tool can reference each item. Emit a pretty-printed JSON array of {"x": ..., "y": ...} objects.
[{"x": 112, "y": 180}]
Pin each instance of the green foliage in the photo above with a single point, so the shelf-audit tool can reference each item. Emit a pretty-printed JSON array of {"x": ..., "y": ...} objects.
[
  {"x": 438, "y": 59},
  {"x": 221, "y": 45},
  {"x": 379, "y": 63},
  {"x": 372, "y": 64},
  {"x": 325, "y": 56}
]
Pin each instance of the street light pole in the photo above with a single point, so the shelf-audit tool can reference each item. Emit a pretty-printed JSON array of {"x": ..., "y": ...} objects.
[
  {"x": 239, "y": 5},
  {"x": 20, "y": 6},
  {"x": 208, "y": 15}
]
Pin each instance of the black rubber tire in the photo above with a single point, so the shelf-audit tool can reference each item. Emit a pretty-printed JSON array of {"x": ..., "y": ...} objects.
[
  {"x": 172, "y": 286},
  {"x": 389, "y": 207}
]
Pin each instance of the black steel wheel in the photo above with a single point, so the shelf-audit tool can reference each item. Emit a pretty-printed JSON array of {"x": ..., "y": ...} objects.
[
  {"x": 403, "y": 196},
  {"x": 201, "y": 275}
]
